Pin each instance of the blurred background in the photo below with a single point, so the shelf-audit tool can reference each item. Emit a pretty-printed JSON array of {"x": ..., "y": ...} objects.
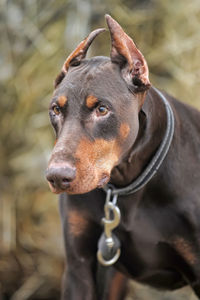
[{"x": 36, "y": 36}]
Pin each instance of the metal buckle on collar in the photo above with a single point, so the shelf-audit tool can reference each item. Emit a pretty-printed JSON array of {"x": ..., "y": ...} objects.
[{"x": 109, "y": 245}]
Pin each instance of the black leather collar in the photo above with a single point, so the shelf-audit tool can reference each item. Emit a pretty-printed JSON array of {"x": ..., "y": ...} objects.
[{"x": 155, "y": 162}]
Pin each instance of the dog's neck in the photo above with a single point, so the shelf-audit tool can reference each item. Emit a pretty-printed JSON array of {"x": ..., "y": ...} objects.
[{"x": 152, "y": 119}]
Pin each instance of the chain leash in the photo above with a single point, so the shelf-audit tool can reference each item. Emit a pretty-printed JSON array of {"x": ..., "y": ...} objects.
[{"x": 109, "y": 244}]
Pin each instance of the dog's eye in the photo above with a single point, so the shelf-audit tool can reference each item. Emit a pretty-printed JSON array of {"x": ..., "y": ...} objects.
[
  {"x": 101, "y": 110},
  {"x": 56, "y": 109}
]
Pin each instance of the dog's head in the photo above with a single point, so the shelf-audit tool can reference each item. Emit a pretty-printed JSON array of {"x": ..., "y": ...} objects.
[{"x": 94, "y": 112}]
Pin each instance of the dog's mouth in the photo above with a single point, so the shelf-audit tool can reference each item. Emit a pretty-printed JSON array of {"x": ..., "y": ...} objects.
[{"x": 79, "y": 185}]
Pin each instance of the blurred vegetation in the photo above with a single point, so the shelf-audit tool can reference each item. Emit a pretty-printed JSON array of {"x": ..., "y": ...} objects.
[{"x": 36, "y": 37}]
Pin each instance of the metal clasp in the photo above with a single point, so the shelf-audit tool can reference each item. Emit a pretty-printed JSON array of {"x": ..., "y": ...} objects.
[
  {"x": 109, "y": 245},
  {"x": 110, "y": 223}
]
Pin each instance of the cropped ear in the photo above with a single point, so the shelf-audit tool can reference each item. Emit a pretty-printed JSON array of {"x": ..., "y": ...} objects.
[
  {"x": 80, "y": 52},
  {"x": 74, "y": 59},
  {"x": 131, "y": 61}
]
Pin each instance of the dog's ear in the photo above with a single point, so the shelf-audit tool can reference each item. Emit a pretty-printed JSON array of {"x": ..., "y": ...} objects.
[
  {"x": 78, "y": 54},
  {"x": 131, "y": 61}
]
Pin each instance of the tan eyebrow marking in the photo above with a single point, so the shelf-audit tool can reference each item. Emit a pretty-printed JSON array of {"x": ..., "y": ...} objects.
[
  {"x": 62, "y": 100},
  {"x": 91, "y": 101}
]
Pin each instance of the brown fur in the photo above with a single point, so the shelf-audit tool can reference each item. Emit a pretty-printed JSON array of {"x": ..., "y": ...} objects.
[
  {"x": 91, "y": 101},
  {"x": 62, "y": 100},
  {"x": 77, "y": 223},
  {"x": 184, "y": 249},
  {"x": 94, "y": 162},
  {"x": 124, "y": 131}
]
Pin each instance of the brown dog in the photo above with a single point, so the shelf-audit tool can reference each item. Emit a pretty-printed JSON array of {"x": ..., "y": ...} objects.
[{"x": 111, "y": 126}]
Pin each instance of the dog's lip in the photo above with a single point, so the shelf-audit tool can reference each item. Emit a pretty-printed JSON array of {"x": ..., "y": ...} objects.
[
  {"x": 104, "y": 179},
  {"x": 56, "y": 190}
]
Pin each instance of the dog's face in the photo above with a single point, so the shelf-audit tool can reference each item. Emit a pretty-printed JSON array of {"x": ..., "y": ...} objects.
[{"x": 94, "y": 112}]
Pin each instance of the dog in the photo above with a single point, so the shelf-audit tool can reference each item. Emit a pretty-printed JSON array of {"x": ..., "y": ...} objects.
[{"x": 117, "y": 133}]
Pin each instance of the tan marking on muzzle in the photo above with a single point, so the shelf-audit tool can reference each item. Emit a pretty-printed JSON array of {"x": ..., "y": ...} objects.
[
  {"x": 185, "y": 250},
  {"x": 77, "y": 223},
  {"x": 62, "y": 100},
  {"x": 91, "y": 101},
  {"x": 94, "y": 162}
]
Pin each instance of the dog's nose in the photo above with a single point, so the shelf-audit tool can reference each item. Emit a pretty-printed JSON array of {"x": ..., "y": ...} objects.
[{"x": 60, "y": 177}]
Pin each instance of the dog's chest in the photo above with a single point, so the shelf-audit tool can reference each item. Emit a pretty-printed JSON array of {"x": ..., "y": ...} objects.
[
  {"x": 147, "y": 254},
  {"x": 143, "y": 235}
]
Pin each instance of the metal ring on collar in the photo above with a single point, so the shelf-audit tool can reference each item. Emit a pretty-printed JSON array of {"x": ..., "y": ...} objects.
[{"x": 109, "y": 262}]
